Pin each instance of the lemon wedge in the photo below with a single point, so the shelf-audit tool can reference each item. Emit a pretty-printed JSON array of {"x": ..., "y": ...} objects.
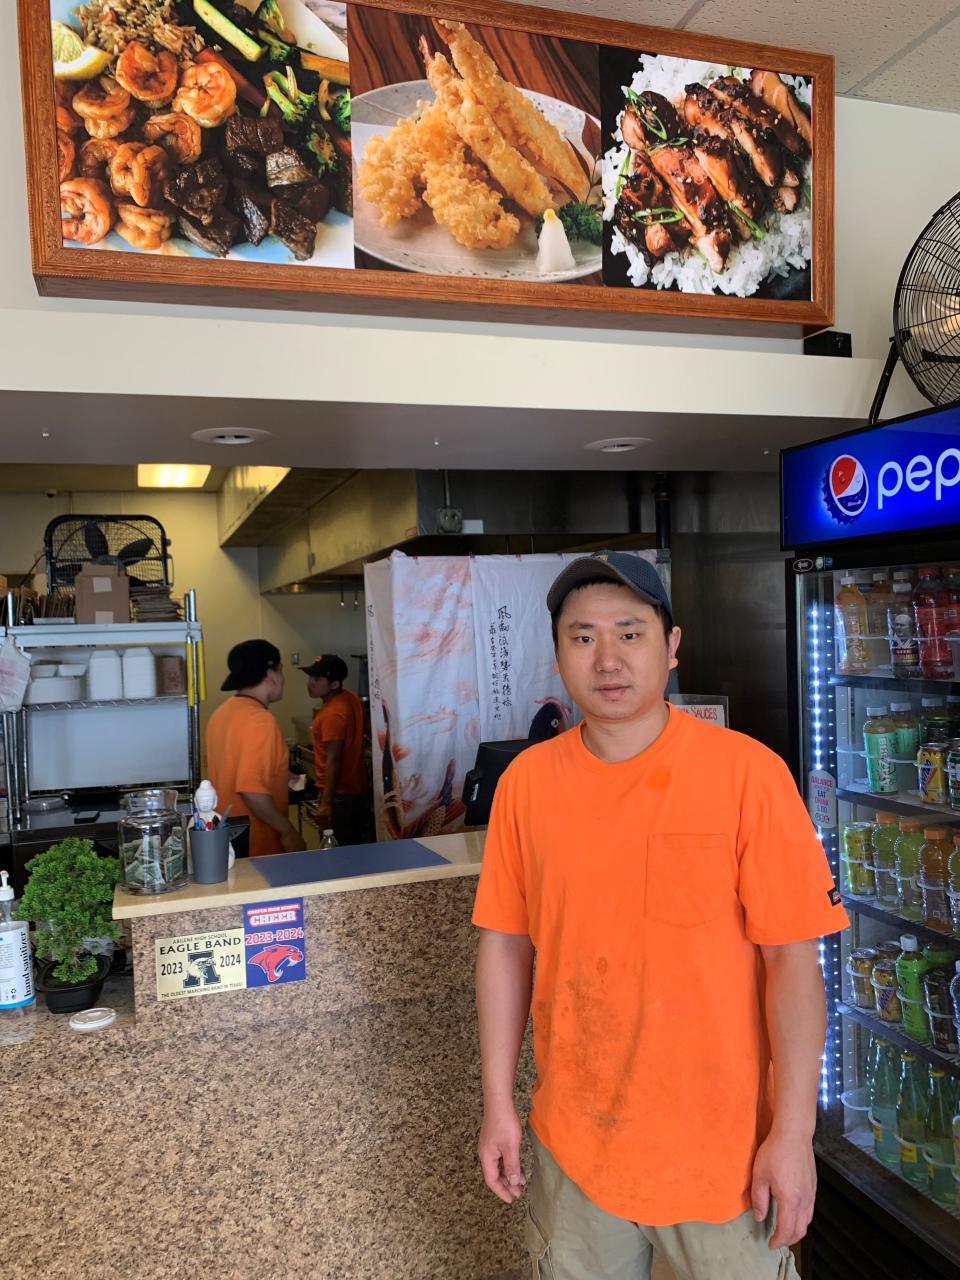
[{"x": 72, "y": 59}]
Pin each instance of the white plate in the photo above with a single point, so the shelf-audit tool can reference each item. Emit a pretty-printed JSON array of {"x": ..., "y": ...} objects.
[{"x": 419, "y": 243}]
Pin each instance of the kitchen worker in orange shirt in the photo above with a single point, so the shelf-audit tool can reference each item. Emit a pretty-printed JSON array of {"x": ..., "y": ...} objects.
[
  {"x": 666, "y": 876},
  {"x": 341, "y": 770},
  {"x": 247, "y": 758}
]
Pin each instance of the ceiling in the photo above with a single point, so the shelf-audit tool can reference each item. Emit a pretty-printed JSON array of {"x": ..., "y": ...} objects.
[
  {"x": 362, "y": 436},
  {"x": 885, "y": 52}
]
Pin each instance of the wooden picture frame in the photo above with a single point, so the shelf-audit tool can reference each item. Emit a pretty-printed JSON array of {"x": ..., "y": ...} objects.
[{"x": 60, "y": 271}]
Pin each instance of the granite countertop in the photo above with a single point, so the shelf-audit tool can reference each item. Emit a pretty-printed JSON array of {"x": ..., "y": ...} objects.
[{"x": 317, "y": 872}]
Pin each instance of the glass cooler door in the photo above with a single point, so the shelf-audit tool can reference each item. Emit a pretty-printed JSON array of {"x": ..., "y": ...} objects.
[{"x": 879, "y": 708}]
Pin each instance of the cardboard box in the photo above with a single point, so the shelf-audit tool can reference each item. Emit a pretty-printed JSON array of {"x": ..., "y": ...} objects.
[{"x": 103, "y": 595}]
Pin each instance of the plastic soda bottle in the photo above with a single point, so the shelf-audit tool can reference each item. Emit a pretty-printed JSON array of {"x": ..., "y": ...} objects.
[
  {"x": 953, "y": 887},
  {"x": 951, "y": 582},
  {"x": 955, "y": 991},
  {"x": 883, "y": 839},
  {"x": 934, "y": 856},
  {"x": 938, "y": 1143},
  {"x": 907, "y": 850},
  {"x": 851, "y": 627},
  {"x": 911, "y": 1119},
  {"x": 931, "y": 609},
  {"x": 879, "y": 598},
  {"x": 902, "y": 631},
  {"x": 908, "y": 743},
  {"x": 936, "y": 723},
  {"x": 880, "y": 745},
  {"x": 884, "y": 1088},
  {"x": 910, "y": 970}
]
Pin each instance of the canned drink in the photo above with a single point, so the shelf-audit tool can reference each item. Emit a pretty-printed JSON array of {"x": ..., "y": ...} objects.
[
  {"x": 936, "y": 991},
  {"x": 932, "y": 764},
  {"x": 860, "y": 968},
  {"x": 888, "y": 951},
  {"x": 857, "y": 861},
  {"x": 884, "y": 982},
  {"x": 953, "y": 773}
]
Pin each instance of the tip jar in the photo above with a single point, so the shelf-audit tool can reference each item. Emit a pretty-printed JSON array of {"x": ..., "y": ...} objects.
[{"x": 153, "y": 849}]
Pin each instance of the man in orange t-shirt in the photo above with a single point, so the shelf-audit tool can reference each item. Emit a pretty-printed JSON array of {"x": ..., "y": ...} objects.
[
  {"x": 338, "y": 755},
  {"x": 667, "y": 878},
  {"x": 247, "y": 758}
]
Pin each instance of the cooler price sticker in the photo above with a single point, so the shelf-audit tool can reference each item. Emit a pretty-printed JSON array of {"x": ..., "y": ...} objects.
[
  {"x": 822, "y": 798},
  {"x": 200, "y": 964},
  {"x": 274, "y": 942}
]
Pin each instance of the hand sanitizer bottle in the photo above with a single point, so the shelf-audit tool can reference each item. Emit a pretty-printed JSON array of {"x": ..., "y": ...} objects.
[{"x": 16, "y": 963}]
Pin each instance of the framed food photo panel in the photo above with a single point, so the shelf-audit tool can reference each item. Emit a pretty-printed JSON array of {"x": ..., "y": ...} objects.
[{"x": 459, "y": 160}]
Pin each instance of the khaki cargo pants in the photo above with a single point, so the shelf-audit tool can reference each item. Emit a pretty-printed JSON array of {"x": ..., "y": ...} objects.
[{"x": 569, "y": 1238}]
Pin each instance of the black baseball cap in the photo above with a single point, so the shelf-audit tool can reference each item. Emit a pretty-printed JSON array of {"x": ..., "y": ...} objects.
[
  {"x": 248, "y": 662},
  {"x": 616, "y": 566},
  {"x": 328, "y": 665}
]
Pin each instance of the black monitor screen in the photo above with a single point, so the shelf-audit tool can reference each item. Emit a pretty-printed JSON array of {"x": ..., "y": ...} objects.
[{"x": 481, "y": 782}]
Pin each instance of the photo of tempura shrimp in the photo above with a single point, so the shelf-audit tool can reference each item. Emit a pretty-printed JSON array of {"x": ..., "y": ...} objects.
[
  {"x": 522, "y": 124},
  {"x": 461, "y": 200},
  {"x": 478, "y": 129},
  {"x": 390, "y": 173}
]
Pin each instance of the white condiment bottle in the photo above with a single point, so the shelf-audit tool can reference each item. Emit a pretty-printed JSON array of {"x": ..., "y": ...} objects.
[
  {"x": 16, "y": 963},
  {"x": 104, "y": 676}
]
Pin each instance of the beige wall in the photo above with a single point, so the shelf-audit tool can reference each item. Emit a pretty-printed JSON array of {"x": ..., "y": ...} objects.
[{"x": 229, "y": 603}]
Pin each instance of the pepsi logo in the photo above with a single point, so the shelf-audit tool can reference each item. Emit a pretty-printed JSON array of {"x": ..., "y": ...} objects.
[{"x": 845, "y": 489}]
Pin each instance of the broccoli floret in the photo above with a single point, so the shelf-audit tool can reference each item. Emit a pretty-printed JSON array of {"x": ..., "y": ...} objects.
[
  {"x": 321, "y": 147},
  {"x": 268, "y": 15},
  {"x": 277, "y": 49},
  {"x": 283, "y": 90},
  {"x": 340, "y": 111},
  {"x": 580, "y": 222}
]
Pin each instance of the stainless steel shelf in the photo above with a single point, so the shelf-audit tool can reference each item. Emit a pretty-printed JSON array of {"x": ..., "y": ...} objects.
[
  {"x": 893, "y": 1032},
  {"x": 162, "y": 700},
  {"x": 898, "y": 924}
]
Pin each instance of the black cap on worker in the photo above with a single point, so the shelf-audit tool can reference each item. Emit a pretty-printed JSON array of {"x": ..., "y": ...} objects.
[
  {"x": 327, "y": 665},
  {"x": 615, "y": 566},
  {"x": 248, "y": 662}
]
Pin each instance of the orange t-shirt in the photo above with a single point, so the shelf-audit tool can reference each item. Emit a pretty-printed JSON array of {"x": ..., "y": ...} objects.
[
  {"x": 246, "y": 752},
  {"x": 646, "y": 887},
  {"x": 340, "y": 719}
]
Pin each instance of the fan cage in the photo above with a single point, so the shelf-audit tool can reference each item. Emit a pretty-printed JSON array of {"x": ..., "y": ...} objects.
[
  {"x": 926, "y": 308},
  {"x": 138, "y": 544}
]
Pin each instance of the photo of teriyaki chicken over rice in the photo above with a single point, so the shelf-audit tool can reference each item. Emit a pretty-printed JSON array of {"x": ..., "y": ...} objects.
[
  {"x": 189, "y": 126},
  {"x": 707, "y": 187}
]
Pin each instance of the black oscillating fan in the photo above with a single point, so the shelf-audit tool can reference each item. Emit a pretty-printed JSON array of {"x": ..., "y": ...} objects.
[
  {"x": 926, "y": 313},
  {"x": 136, "y": 544}
]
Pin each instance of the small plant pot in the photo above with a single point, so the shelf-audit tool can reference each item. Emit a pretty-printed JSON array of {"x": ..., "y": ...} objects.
[{"x": 64, "y": 997}]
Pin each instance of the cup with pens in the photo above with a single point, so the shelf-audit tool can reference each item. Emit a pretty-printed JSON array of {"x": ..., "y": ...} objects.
[{"x": 210, "y": 847}]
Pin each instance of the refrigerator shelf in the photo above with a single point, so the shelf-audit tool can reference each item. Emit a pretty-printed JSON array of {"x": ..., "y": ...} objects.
[
  {"x": 862, "y": 1139},
  {"x": 905, "y": 802},
  {"x": 910, "y": 684},
  {"x": 892, "y": 1031},
  {"x": 898, "y": 924}
]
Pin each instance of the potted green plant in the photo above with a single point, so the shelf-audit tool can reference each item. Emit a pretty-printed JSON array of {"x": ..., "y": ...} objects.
[{"x": 69, "y": 896}]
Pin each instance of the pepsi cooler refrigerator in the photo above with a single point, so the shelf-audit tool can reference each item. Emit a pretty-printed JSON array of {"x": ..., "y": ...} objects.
[{"x": 869, "y": 522}]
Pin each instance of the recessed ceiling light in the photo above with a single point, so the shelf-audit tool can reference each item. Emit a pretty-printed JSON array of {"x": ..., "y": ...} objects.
[
  {"x": 227, "y": 435},
  {"x": 171, "y": 475},
  {"x": 618, "y": 444}
]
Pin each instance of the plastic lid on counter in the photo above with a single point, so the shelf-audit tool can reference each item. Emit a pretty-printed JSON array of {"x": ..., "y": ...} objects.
[{"x": 93, "y": 1019}]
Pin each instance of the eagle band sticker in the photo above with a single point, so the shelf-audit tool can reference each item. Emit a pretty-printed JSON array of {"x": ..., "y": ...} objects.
[{"x": 200, "y": 964}]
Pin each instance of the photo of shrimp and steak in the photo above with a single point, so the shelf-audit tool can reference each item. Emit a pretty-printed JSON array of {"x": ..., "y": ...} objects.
[
  {"x": 476, "y": 149},
  {"x": 201, "y": 128},
  {"x": 706, "y": 176}
]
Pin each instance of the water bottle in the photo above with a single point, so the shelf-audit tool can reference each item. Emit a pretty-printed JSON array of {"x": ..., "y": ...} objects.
[
  {"x": 16, "y": 963},
  {"x": 329, "y": 840}
]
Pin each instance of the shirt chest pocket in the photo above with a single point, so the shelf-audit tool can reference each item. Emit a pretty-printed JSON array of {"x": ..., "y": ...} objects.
[{"x": 691, "y": 878}]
